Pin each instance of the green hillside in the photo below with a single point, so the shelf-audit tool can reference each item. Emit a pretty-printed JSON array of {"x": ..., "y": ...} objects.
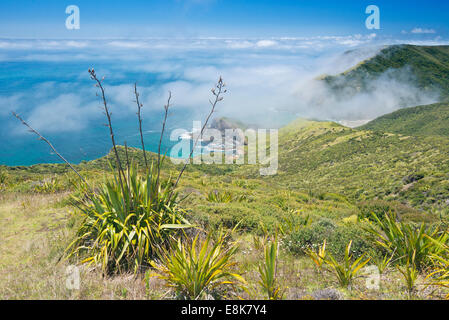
[
  {"x": 429, "y": 66},
  {"x": 422, "y": 120},
  {"x": 326, "y": 157}
]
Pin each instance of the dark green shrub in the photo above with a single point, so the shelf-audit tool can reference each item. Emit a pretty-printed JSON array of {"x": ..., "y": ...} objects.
[
  {"x": 337, "y": 237},
  {"x": 3, "y": 176},
  {"x": 248, "y": 217},
  {"x": 413, "y": 178}
]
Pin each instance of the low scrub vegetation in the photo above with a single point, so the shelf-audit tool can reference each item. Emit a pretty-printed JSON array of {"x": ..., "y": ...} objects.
[
  {"x": 3, "y": 176},
  {"x": 337, "y": 236}
]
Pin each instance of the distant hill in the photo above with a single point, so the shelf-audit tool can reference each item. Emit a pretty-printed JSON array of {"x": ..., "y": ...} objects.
[
  {"x": 327, "y": 157},
  {"x": 429, "y": 66},
  {"x": 224, "y": 123},
  {"x": 422, "y": 120}
]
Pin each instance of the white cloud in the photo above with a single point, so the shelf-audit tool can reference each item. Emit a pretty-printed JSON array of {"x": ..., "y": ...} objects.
[
  {"x": 423, "y": 31},
  {"x": 9, "y": 103},
  {"x": 128, "y": 44},
  {"x": 126, "y": 49},
  {"x": 239, "y": 44},
  {"x": 267, "y": 79},
  {"x": 64, "y": 113},
  {"x": 120, "y": 97},
  {"x": 266, "y": 43},
  {"x": 159, "y": 48}
]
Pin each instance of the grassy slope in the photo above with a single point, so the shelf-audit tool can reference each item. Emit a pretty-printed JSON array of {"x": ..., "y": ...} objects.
[
  {"x": 422, "y": 120},
  {"x": 429, "y": 66},
  {"x": 327, "y": 157},
  {"x": 35, "y": 229}
]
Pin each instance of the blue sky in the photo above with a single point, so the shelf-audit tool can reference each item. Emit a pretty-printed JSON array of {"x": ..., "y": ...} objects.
[{"x": 221, "y": 18}]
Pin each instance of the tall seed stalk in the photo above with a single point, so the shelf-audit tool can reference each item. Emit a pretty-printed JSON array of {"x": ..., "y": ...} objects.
[
  {"x": 160, "y": 140},
  {"x": 139, "y": 117},
  {"x": 217, "y": 91},
  {"x": 109, "y": 125},
  {"x": 41, "y": 137},
  {"x": 139, "y": 107}
]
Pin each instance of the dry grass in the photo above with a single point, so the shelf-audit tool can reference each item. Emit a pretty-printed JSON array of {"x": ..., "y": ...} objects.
[
  {"x": 36, "y": 228},
  {"x": 34, "y": 235}
]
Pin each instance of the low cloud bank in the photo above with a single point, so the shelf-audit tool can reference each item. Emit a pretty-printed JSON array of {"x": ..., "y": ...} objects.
[{"x": 270, "y": 81}]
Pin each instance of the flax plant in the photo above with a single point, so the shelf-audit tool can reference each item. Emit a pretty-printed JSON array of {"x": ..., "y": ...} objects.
[
  {"x": 439, "y": 276},
  {"x": 219, "y": 197},
  {"x": 195, "y": 269},
  {"x": 405, "y": 241},
  {"x": 122, "y": 231},
  {"x": 410, "y": 275},
  {"x": 346, "y": 270},
  {"x": 317, "y": 256},
  {"x": 268, "y": 271}
]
